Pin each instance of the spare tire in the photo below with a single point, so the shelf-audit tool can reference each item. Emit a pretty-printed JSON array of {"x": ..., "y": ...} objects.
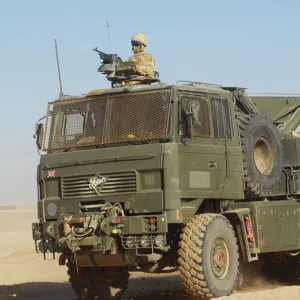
[{"x": 262, "y": 151}]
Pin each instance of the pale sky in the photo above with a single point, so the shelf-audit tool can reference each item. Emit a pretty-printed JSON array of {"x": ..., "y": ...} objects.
[{"x": 253, "y": 44}]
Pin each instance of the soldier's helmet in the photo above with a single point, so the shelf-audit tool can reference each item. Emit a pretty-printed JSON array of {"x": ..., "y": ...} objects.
[{"x": 140, "y": 38}]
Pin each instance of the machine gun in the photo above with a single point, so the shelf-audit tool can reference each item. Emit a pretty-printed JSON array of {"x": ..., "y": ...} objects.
[
  {"x": 118, "y": 71},
  {"x": 113, "y": 66},
  {"x": 110, "y": 62}
]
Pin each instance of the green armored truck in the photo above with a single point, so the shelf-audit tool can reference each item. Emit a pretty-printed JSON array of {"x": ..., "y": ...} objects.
[{"x": 192, "y": 176}]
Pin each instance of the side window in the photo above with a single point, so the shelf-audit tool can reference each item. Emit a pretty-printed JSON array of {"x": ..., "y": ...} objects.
[
  {"x": 74, "y": 124},
  {"x": 221, "y": 118},
  {"x": 199, "y": 105}
]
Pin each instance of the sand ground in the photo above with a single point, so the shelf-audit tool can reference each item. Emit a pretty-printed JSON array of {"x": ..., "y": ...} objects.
[{"x": 24, "y": 275}]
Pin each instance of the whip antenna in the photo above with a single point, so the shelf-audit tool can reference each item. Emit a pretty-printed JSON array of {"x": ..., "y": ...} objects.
[
  {"x": 61, "y": 94},
  {"x": 108, "y": 36}
]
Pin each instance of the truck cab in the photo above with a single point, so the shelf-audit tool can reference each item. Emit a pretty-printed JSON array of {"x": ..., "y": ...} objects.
[{"x": 126, "y": 175}]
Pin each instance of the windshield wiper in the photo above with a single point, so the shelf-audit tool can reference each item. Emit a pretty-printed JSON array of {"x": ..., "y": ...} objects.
[{"x": 90, "y": 162}]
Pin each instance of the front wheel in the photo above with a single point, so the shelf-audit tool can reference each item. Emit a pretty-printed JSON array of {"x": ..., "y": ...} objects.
[
  {"x": 208, "y": 257},
  {"x": 98, "y": 283}
]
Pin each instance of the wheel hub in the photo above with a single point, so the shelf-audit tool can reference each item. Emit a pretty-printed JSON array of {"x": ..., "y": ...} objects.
[
  {"x": 219, "y": 258},
  {"x": 263, "y": 155}
]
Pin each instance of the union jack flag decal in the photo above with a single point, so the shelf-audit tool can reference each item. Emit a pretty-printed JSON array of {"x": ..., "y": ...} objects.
[{"x": 51, "y": 173}]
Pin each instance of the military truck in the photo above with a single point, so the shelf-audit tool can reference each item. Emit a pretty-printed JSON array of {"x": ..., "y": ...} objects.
[{"x": 157, "y": 177}]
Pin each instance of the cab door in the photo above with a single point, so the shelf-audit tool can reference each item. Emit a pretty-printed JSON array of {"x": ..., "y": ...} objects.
[
  {"x": 229, "y": 174},
  {"x": 197, "y": 156},
  {"x": 211, "y": 161}
]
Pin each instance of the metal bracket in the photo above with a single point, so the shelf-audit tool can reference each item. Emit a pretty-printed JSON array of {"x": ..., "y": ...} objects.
[{"x": 237, "y": 219}]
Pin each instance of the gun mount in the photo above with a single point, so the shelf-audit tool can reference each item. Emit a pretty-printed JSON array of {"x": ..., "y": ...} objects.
[
  {"x": 109, "y": 62},
  {"x": 118, "y": 71}
]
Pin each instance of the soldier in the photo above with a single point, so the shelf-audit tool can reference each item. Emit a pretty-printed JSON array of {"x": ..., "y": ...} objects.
[{"x": 145, "y": 62}]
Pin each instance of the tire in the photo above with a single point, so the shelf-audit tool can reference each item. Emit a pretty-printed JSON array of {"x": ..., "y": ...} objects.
[
  {"x": 262, "y": 154},
  {"x": 208, "y": 257},
  {"x": 98, "y": 283}
]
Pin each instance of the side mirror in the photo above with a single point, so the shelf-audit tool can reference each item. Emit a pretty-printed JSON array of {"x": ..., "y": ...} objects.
[
  {"x": 188, "y": 115},
  {"x": 39, "y": 135}
]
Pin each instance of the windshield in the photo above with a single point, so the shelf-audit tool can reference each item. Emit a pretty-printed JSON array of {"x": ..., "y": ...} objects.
[{"x": 107, "y": 120}]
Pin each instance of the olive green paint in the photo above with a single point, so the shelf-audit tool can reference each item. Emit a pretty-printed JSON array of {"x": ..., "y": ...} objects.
[{"x": 174, "y": 178}]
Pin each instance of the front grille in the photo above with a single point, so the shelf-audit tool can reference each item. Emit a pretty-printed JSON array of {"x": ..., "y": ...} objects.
[{"x": 79, "y": 186}]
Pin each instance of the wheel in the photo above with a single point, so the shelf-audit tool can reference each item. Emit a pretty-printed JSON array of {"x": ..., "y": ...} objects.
[
  {"x": 208, "y": 257},
  {"x": 98, "y": 283},
  {"x": 262, "y": 154}
]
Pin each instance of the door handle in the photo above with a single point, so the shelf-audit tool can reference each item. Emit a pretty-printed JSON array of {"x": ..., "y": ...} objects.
[{"x": 212, "y": 164}]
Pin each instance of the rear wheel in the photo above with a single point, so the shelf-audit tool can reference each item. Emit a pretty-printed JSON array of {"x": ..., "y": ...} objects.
[
  {"x": 98, "y": 283},
  {"x": 208, "y": 257}
]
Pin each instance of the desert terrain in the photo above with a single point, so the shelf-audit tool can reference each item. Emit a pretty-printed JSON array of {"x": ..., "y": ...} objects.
[{"x": 24, "y": 275}]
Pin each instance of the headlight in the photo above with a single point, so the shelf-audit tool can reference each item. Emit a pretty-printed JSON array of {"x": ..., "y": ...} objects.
[
  {"x": 51, "y": 230},
  {"x": 160, "y": 241},
  {"x": 146, "y": 241},
  {"x": 130, "y": 242}
]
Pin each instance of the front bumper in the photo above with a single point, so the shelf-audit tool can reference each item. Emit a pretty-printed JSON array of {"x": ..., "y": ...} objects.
[{"x": 94, "y": 233}]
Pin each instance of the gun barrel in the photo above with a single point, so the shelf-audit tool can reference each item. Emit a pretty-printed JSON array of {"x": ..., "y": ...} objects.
[
  {"x": 102, "y": 55},
  {"x": 96, "y": 49}
]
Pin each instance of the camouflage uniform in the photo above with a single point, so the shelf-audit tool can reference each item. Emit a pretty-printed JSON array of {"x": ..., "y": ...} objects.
[{"x": 145, "y": 62}]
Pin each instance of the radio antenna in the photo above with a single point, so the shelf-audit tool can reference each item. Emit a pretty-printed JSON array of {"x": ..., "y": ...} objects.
[
  {"x": 108, "y": 36},
  {"x": 61, "y": 94}
]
